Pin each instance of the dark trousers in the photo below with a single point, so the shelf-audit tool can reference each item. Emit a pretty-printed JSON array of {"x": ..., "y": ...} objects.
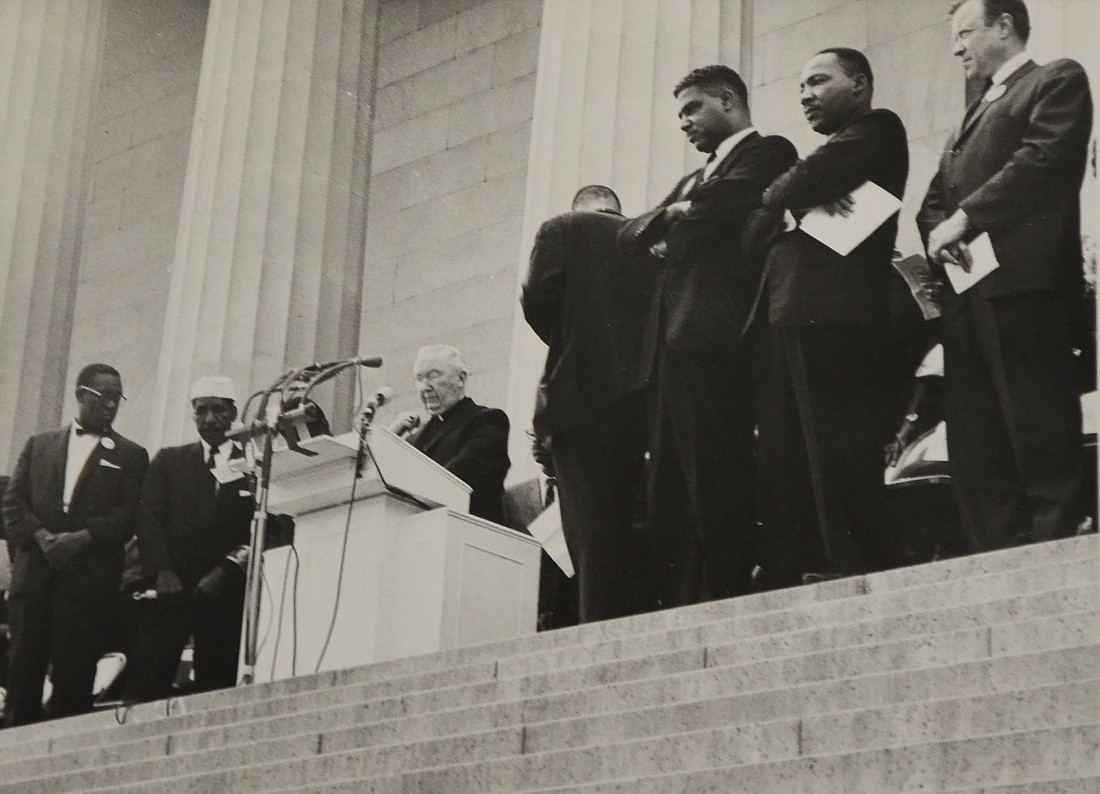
[
  {"x": 1013, "y": 417},
  {"x": 701, "y": 478},
  {"x": 166, "y": 626},
  {"x": 821, "y": 402},
  {"x": 64, "y": 623},
  {"x": 599, "y": 464}
]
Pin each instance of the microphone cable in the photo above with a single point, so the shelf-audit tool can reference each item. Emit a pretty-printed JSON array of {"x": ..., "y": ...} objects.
[{"x": 343, "y": 546}]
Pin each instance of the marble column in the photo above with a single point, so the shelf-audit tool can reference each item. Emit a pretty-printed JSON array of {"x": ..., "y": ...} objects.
[
  {"x": 604, "y": 113},
  {"x": 268, "y": 263},
  {"x": 50, "y": 52}
]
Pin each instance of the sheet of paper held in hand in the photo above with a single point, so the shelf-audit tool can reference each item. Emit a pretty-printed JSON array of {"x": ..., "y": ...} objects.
[
  {"x": 872, "y": 205},
  {"x": 982, "y": 262},
  {"x": 546, "y": 529}
]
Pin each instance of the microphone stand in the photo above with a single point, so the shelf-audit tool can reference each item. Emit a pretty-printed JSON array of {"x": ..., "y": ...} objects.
[{"x": 266, "y": 427}]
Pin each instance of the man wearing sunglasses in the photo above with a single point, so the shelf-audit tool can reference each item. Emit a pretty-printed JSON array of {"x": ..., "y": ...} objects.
[{"x": 69, "y": 509}]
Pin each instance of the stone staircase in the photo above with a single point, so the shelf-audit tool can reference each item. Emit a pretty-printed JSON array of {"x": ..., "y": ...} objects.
[{"x": 974, "y": 674}]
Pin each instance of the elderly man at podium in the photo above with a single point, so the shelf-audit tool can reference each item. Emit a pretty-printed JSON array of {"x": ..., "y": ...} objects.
[
  {"x": 193, "y": 530},
  {"x": 467, "y": 439}
]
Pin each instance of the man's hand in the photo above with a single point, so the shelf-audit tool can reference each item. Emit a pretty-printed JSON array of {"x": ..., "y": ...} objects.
[
  {"x": 676, "y": 210},
  {"x": 931, "y": 290},
  {"x": 168, "y": 584},
  {"x": 842, "y": 206},
  {"x": 404, "y": 423},
  {"x": 44, "y": 538},
  {"x": 659, "y": 249},
  {"x": 210, "y": 586},
  {"x": 945, "y": 243},
  {"x": 61, "y": 548}
]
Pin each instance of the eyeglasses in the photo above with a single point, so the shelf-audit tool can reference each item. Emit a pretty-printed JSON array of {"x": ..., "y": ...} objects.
[{"x": 113, "y": 396}]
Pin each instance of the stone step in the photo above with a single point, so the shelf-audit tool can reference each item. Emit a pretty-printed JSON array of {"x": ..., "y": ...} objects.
[
  {"x": 124, "y": 746},
  {"x": 817, "y": 598},
  {"x": 1081, "y": 785},
  {"x": 795, "y": 627},
  {"x": 932, "y": 656},
  {"x": 724, "y": 760},
  {"x": 931, "y": 652},
  {"x": 844, "y": 725},
  {"x": 1057, "y": 760},
  {"x": 254, "y": 730},
  {"x": 256, "y": 702}
]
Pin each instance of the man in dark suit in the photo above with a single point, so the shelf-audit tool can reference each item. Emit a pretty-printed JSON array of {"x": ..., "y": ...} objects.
[
  {"x": 819, "y": 340},
  {"x": 68, "y": 510},
  {"x": 701, "y": 480},
  {"x": 1013, "y": 171},
  {"x": 468, "y": 440},
  {"x": 588, "y": 302},
  {"x": 193, "y": 533}
]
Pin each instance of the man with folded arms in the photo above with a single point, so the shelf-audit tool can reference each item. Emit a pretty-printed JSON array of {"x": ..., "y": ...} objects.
[
  {"x": 818, "y": 339},
  {"x": 1014, "y": 171},
  {"x": 701, "y": 481},
  {"x": 68, "y": 510}
]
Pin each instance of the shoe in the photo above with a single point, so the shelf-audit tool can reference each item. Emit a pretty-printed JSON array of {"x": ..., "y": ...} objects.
[{"x": 814, "y": 578}]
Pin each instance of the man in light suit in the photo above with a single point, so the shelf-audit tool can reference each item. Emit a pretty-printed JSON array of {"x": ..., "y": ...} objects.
[
  {"x": 68, "y": 510},
  {"x": 1014, "y": 171},
  {"x": 701, "y": 481},
  {"x": 193, "y": 533},
  {"x": 588, "y": 302},
  {"x": 819, "y": 340}
]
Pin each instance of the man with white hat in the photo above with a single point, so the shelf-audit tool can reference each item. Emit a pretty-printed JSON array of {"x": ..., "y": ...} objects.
[{"x": 193, "y": 531}]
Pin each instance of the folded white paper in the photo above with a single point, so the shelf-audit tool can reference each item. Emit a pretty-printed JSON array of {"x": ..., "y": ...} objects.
[
  {"x": 546, "y": 529},
  {"x": 982, "y": 262},
  {"x": 871, "y": 207}
]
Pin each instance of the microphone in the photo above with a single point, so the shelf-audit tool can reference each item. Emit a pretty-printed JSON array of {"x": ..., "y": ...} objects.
[
  {"x": 380, "y": 398},
  {"x": 332, "y": 369},
  {"x": 362, "y": 361},
  {"x": 410, "y": 422}
]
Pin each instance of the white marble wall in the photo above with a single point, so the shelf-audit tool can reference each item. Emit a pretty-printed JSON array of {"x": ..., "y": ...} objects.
[
  {"x": 268, "y": 257},
  {"x": 49, "y": 62}
]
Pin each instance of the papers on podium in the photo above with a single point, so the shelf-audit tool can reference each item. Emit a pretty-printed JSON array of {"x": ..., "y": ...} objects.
[
  {"x": 871, "y": 207},
  {"x": 982, "y": 262},
  {"x": 546, "y": 529}
]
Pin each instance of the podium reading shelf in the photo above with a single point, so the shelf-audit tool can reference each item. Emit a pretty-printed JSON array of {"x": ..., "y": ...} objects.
[{"x": 419, "y": 574}]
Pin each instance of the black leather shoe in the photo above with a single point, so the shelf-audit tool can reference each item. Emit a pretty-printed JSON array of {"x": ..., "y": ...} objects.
[{"x": 814, "y": 578}]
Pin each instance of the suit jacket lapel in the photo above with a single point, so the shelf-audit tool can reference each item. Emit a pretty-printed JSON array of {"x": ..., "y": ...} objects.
[
  {"x": 972, "y": 117},
  {"x": 689, "y": 183},
  {"x": 735, "y": 154},
  {"x": 60, "y": 451}
]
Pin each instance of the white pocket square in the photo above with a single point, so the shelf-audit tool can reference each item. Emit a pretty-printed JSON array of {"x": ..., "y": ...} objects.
[{"x": 108, "y": 464}]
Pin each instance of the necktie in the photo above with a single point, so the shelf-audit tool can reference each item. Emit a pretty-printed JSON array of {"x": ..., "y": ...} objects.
[
  {"x": 551, "y": 493},
  {"x": 210, "y": 463}
]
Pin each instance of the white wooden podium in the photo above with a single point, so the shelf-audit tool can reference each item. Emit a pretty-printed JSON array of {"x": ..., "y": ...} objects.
[{"x": 418, "y": 573}]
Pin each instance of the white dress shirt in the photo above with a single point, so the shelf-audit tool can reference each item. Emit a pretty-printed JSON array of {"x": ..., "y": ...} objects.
[
  {"x": 724, "y": 148},
  {"x": 1008, "y": 68},
  {"x": 80, "y": 449},
  {"x": 221, "y": 469}
]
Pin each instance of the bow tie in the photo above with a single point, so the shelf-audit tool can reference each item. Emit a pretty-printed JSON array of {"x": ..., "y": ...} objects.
[{"x": 80, "y": 431}]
